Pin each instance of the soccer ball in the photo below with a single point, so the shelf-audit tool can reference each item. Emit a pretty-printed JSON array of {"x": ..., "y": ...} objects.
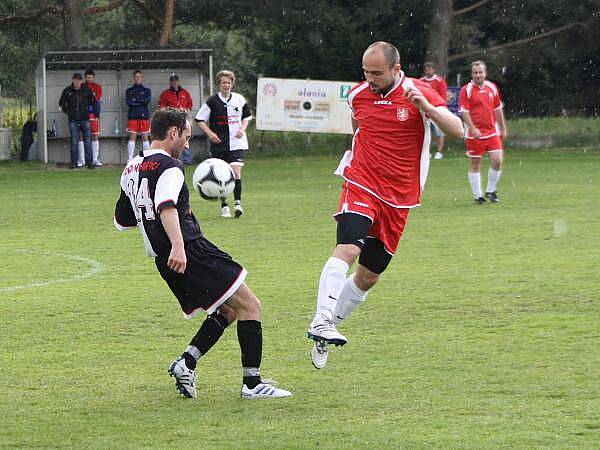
[{"x": 213, "y": 179}]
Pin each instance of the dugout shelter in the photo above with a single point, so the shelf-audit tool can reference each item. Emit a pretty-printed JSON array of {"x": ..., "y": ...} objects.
[{"x": 114, "y": 72}]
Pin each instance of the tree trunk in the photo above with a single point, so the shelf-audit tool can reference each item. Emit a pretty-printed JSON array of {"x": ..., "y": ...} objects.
[
  {"x": 438, "y": 41},
  {"x": 73, "y": 24},
  {"x": 167, "y": 23}
]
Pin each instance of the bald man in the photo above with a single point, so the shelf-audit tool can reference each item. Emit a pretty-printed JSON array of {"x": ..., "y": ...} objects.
[{"x": 384, "y": 174}]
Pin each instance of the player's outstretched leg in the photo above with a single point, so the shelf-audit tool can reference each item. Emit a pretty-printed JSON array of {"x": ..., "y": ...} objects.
[
  {"x": 183, "y": 369},
  {"x": 249, "y": 329}
]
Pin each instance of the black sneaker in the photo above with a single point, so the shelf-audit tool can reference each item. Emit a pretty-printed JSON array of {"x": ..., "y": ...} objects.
[
  {"x": 492, "y": 197},
  {"x": 479, "y": 200},
  {"x": 91, "y": 166}
]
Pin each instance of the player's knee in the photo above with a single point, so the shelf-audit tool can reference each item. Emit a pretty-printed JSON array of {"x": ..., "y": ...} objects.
[{"x": 347, "y": 252}]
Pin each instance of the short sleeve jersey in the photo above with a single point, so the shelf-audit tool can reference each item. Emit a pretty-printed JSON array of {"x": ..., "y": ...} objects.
[
  {"x": 150, "y": 182},
  {"x": 481, "y": 102},
  {"x": 390, "y": 148},
  {"x": 438, "y": 84},
  {"x": 224, "y": 117}
]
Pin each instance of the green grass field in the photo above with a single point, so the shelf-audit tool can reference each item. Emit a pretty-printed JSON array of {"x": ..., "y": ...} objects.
[{"x": 484, "y": 333}]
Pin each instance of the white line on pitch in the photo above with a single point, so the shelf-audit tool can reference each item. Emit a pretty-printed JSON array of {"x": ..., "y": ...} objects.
[{"x": 95, "y": 267}]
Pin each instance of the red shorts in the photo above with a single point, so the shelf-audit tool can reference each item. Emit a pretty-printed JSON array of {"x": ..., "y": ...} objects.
[
  {"x": 140, "y": 126},
  {"x": 479, "y": 147},
  {"x": 94, "y": 124},
  {"x": 387, "y": 222}
]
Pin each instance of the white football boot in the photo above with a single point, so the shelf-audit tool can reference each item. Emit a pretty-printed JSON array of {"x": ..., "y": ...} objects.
[
  {"x": 238, "y": 210},
  {"x": 264, "y": 390},
  {"x": 438, "y": 155},
  {"x": 323, "y": 330},
  {"x": 185, "y": 379},
  {"x": 225, "y": 212},
  {"x": 319, "y": 354}
]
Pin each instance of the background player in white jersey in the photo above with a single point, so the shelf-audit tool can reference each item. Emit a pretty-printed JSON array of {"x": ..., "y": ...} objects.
[
  {"x": 224, "y": 118},
  {"x": 155, "y": 198},
  {"x": 384, "y": 175}
]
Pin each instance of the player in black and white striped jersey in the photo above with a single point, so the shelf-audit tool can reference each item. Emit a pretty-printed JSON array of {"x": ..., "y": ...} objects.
[
  {"x": 155, "y": 198},
  {"x": 224, "y": 119}
]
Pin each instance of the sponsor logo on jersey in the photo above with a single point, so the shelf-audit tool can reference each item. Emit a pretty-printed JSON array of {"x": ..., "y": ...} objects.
[
  {"x": 382, "y": 102},
  {"x": 402, "y": 114},
  {"x": 364, "y": 205}
]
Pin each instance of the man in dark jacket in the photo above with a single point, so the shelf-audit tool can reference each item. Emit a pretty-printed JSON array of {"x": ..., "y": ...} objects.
[
  {"x": 76, "y": 101},
  {"x": 29, "y": 128},
  {"x": 138, "y": 98}
]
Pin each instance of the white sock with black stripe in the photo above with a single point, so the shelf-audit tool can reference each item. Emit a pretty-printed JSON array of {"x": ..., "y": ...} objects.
[
  {"x": 350, "y": 297},
  {"x": 331, "y": 282}
]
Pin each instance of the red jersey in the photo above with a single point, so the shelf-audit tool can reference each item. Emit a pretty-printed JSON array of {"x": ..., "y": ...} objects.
[
  {"x": 179, "y": 99},
  {"x": 481, "y": 102},
  {"x": 97, "y": 91},
  {"x": 438, "y": 84},
  {"x": 390, "y": 149}
]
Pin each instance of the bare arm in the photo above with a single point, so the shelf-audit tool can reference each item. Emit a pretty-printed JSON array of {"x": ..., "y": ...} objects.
[
  {"x": 243, "y": 128},
  {"x": 170, "y": 220},
  {"x": 444, "y": 119},
  {"x": 210, "y": 133},
  {"x": 467, "y": 118},
  {"x": 502, "y": 121}
]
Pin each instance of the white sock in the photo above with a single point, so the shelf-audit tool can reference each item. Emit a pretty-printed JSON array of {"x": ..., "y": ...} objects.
[
  {"x": 95, "y": 151},
  {"x": 81, "y": 153},
  {"x": 332, "y": 280},
  {"x": 350, "y": 297},
  {"x": 475, "y": 180},
  {"x": 493, "y": 177},
  {"x": 145, "y": 145},
  {"x": 130, "y": 150}
]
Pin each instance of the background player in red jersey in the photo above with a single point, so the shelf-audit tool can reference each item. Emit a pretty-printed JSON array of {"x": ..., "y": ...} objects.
[
  {"x": 94, "y": 114},
  {"x": 481, "y": 108},
  {"x": 384, "y": 175},
  {"x": 438, "y": 84}
]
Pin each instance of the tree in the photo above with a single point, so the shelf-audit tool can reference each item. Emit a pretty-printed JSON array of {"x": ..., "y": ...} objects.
[
  {"x": 73, "y": 26},
  {"x": 438, "y": 40},
  {"x": 167, "y": 23}
]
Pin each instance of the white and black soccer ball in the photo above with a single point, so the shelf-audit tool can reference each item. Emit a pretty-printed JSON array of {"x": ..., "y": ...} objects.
[{"x": 213, "y": 179}]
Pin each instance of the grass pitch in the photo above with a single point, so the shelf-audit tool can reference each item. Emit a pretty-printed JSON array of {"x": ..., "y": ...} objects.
[{"x": 483, "y": 333}]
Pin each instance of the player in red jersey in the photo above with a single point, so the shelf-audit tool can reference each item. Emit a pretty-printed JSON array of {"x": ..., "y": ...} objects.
[
  {"x": 481, "y": 108},
  {"x": 90, "y": 82},
  {"x": 384, "y": 175},
  {"x": 438, "y": 84}
]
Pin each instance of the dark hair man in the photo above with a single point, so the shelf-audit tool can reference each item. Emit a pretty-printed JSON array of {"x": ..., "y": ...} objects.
[{"x": 155, "y": 198}]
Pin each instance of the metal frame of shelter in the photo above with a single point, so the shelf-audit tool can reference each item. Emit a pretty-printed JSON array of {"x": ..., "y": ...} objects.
[{"x": 118, "y": 60}]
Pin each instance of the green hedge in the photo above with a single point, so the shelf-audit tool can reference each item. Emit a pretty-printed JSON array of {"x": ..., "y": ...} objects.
[{"x": 523, "y": 133}]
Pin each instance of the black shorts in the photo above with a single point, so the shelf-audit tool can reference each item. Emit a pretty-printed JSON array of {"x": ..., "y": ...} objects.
[
  {"x": 234, "y": 157},
  {"x": 354, "y": 229},
  {"x": 211, "y": 277}
]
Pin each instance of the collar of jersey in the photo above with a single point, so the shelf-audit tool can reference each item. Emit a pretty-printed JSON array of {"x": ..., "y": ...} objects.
[
  {"x": 223, "y": 99},
  {"x": 399, "y": 83},
  {"x": 155, "y": 151}
]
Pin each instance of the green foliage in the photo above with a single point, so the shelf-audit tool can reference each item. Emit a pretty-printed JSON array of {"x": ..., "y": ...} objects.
[{"x": 482, "y": 334}]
